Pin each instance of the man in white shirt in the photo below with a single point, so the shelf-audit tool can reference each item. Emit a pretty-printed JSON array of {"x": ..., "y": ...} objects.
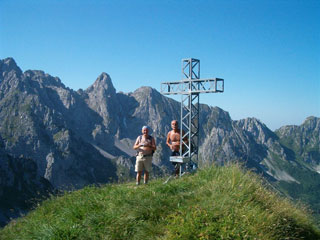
[{"x": 145, "y": 146}]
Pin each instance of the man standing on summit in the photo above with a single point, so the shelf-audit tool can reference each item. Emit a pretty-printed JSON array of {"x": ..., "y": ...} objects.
[
  {"x": 145, "y": 145},
  {"x": 173, "y": 142}
]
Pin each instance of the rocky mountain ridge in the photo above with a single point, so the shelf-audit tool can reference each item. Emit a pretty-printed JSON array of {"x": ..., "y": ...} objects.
[
  {"x": 304, "y": 141},
  {"x": 76, "y": 138}
]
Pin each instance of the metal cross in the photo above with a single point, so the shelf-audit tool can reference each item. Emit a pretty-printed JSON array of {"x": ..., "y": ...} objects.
[{"x": 189, "y": 88}]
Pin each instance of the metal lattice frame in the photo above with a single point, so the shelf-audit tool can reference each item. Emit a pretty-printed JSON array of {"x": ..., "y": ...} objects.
[{"x": 190, "y": 87}]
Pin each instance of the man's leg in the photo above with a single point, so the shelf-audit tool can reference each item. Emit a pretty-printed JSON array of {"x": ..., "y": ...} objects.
[
  {"x": 138, "y": 169},
  {"x": 147, "y": 168},
  {"x": 138, "y": 178},
  {"x": 177, "y": 169},
  {"x": 176, "y": 166},
  {"x": 146, "y": 177}
]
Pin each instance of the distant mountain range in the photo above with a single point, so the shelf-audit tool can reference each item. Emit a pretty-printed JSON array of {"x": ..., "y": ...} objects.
[{"x": 52, "y": 137}]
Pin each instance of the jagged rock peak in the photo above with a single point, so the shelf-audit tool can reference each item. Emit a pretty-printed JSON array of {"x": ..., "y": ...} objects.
[
  {"x": 312, "y": 122},
  {"x": 251, "y": 123},
  {"x": 257, "y": 128},
  {"x": 43, "y": 78},
  {"x": 8, "y": 65},
  {"x": 217, "y": 116},
  {"x": 311, "y": 125},
  {"x": 10, "y": 62},
  {"x": 144, "y": 89},
  {"x": 220, "y": 111},
  {"x": 103, "y": 82},
  {"x": 147, "y": 91}
]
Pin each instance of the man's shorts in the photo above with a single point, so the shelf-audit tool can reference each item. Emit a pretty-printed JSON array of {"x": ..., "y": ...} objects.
[
  {"x": 175, "y": 153},
  {"x": 143, "y": 162}
]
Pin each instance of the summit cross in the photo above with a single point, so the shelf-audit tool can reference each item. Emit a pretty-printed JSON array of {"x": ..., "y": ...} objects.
[{"x": 190, "y": 88}]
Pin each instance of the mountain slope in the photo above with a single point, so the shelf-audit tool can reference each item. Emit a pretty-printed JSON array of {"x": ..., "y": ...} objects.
[
  {"x": 20, "y": 185},
  {"x": 304, "y": 143},
  {"x": 215, "y": 203},
  {"x": 288, "y": 158},
  {"x": 304, "y": 140}
]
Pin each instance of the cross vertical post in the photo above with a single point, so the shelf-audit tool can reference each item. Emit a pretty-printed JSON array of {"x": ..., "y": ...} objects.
[
  {"x": 190, "y": 110},
  {"x": 190, "y": 88}
]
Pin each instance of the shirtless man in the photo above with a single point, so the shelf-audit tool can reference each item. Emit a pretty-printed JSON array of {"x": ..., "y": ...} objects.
[
  {"x": 173, "y": 141},
  {"x": 145, "y": 145},
  {"x": 173, "y": 138}
]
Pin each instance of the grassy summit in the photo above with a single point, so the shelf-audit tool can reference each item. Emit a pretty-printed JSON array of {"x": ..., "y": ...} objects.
[{"x": 215, "y": 203}]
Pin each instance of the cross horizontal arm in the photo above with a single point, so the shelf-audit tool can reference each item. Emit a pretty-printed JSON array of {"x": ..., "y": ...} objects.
[{"x": 187, "y": 86}]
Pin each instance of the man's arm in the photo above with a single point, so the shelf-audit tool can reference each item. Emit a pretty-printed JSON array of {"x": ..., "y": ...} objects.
[
  {"x": 137, "y": 144},
  {"x": 168, "y": 139},
  {"x": 153, "y": 144}
]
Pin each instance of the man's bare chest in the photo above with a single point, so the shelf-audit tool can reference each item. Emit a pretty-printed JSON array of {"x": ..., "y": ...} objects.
[{"x": 175, "y": 136}]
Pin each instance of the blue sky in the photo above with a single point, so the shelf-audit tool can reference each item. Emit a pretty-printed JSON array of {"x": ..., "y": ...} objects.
[{"x": 268, "y": 52}]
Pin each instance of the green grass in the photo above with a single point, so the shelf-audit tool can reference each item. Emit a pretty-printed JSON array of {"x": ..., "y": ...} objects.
[{"x": 215, "y": 203}]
